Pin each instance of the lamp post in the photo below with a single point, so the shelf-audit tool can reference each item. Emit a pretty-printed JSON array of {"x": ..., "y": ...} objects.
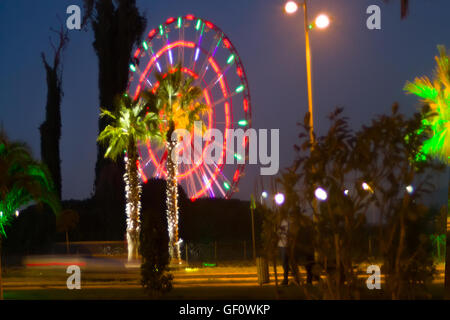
[{"x": 322, "y": 21}]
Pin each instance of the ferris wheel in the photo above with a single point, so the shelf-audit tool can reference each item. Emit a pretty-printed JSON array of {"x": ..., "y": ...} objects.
[{"x": 206, "y": 54}]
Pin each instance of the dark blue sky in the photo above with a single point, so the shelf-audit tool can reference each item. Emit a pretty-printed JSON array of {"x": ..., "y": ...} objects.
[{"x": 361, "y": 70}]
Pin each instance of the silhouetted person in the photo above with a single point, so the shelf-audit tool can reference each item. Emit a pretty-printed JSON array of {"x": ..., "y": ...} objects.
[{"x": 283, "y": 248}]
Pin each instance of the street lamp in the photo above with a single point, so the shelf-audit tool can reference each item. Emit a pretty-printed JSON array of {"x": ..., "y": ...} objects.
[
  {"x": 291, "y": 7},
  {"x": 322, "y": 21}
]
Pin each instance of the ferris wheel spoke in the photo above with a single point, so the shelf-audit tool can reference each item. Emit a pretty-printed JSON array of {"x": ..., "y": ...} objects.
[{"x": 204, "y": 66}]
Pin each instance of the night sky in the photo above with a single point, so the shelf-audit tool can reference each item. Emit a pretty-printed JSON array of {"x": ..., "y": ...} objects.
[{"x": 362, "y": 70}]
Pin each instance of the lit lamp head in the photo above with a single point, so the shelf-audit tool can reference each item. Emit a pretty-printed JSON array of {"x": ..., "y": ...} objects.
[
  {"x": 279, "y": 199},
  {"x": 291, "y": 7},
  {"x": 264, "y": 194},
  {"x": 322, "y": 21}
]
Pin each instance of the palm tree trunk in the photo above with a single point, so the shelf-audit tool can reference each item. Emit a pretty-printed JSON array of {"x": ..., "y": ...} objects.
[
  {"x": 133, "y": 205},
  {"x": 172, "y": 202}
]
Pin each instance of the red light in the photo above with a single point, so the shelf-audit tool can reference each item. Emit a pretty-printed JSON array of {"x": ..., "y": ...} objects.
[
  {"x": 209, "y": 24},
  {"x": 239, "y": 72},
  {"x": 189, "y": 72},
  {"x": 245, "y": 141},
  {"x": 236, "y": 175},
  {"x": 226, "y": 43},
  {"x": 245, "y": 105},
  {"x": 190, "y": 17},
  {"x": 214, "y": 65},
  {"x": 170, "y": 20},
  {"x": 143, "y": 176},
  {"x": 152, "y": 33},
  {"x": 136, "y": 94},
  {"x": 155, "y": 87},
  {"x": 136, "y": 54}
]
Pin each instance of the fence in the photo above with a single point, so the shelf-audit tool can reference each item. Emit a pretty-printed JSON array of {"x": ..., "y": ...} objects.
[
  {"x": 94, "y": 248},
  {"x": 216, "y": 251},
  {"x": 192, "y": 252}
]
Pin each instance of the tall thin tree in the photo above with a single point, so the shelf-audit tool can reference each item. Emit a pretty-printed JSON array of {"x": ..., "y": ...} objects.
[
  {"x": 117, "y": 26},
  {"x": 50, "y": 129},
  {"x": 177, "y": 100}
]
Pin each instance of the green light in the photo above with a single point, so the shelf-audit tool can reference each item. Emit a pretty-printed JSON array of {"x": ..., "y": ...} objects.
[
  {"x": 243, "y": 122},
  {"x": 132, "y": 68},
  {"x": 144, "y": 44},
  {"x": 238, "y": 156},
  {"x": 226, "y": 186},
  {"x": 434, "y": 92},
  {"x": 240, "y": 88},
  {"x": 230, "y": 59},
  {"x": 209, "y": 264},
  {"x": 310, "y": 26},
  {"x": 218, "y": 43},
  {"x": 161, "y": 30},
  {"x": 180, "y": 21},
  {"x": 203, "y": 29},
  {"x": 199, "y": 23}
]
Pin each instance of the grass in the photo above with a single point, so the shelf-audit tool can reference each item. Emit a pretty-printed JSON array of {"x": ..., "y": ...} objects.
[{"x": 290, "y": 292}]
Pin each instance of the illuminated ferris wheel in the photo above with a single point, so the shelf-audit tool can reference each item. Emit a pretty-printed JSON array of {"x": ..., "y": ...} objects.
[{"x": 206, "y": 54}]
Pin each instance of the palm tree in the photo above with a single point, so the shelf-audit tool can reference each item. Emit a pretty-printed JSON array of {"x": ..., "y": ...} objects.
[
  {"x": 130, "y": 123},
  {"x": 22, "y": 180},
  {"x": 176, "y": 99},
  {"x": 436, "y": 94}
]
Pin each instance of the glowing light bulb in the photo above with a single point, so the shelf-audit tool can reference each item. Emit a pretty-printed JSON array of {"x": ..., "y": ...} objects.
[
  {"x": 321, "y": 194},
  {"x": 322, "y": 21},
  {"x": 240, "y": 88},
  {"x": 230, "y": 59},
  {"x": 291, "y": 7},
  {"x": 279, "y": 199},
  {"x": 366, "y": 187},
  {"x": 243, "y": 122},
  {"x": 264, "y": 194},
  {"x": 410, "y": 189}
]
